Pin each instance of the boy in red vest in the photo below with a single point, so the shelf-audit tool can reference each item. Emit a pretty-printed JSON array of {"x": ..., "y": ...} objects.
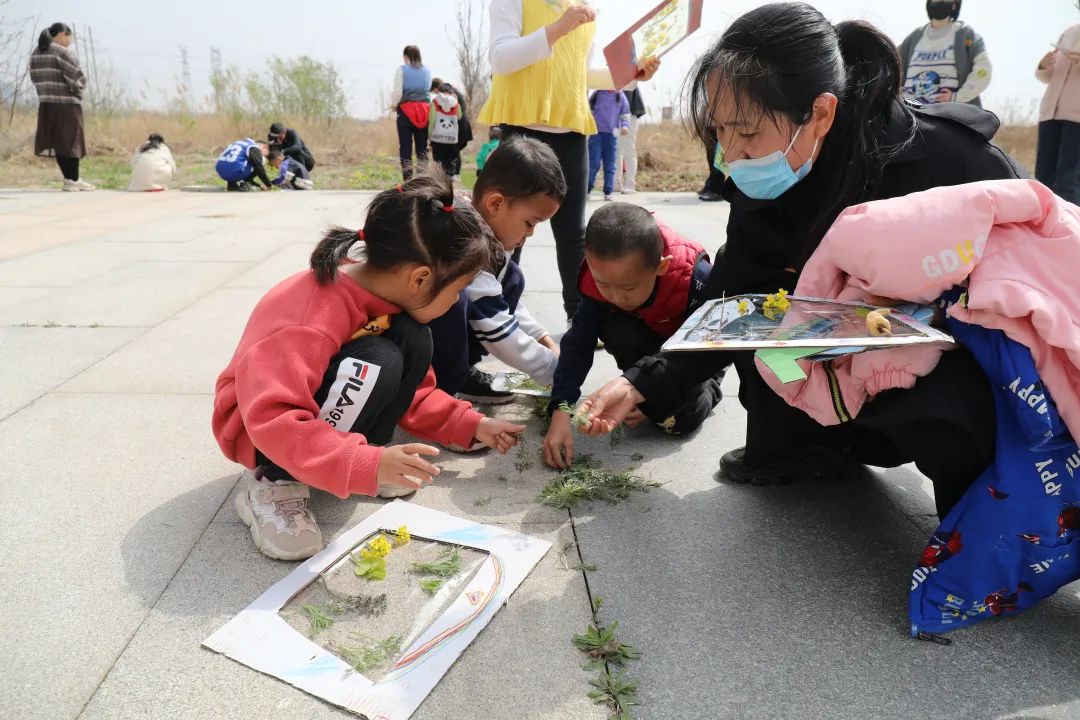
[{"x": 638, "y": 283}]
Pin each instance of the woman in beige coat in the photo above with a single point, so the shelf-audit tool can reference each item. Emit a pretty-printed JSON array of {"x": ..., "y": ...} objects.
[{"x": 1057, "y": 164}]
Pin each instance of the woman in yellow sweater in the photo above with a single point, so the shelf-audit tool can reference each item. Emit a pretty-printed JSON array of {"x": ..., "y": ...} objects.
[{"x": 539, "y": 54}]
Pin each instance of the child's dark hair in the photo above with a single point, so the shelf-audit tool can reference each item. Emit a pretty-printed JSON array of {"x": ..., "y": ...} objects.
[
  {"x": 412, "y": 54},
  {"x": 154, "y": 141},
  {"x": 277, "y": 128},
  {"x": 419, "y": 222},
  {"x": 619, "y": 229},
  {"x": 522, "y": 167},
  {"x": 494, "y": 133},
  {"x": 274, "y": 155},
  {"x": 46, "y": 37},
  {"x": 775, "y": 61}
]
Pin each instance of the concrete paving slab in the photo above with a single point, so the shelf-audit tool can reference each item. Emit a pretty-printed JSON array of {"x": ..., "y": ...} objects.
[
  {"x": 522, "y": 665},
  {"x": 140, "y": 294},
  {"x": 112, "y": 492},
  {"x": 70, "y": 265},
  {"x": 287, "y": 261},
  {"x": 47, "y": 236},
  {"x": 794, "y": 601},
  {"x": 235, "y": 243},
  {"x": 33, "y": 361},
  {"x": 162, "y": 360},
  {"x": 10, "y": 296}
]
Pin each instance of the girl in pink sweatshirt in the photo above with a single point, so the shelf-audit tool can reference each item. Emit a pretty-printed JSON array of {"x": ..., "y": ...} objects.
[{"x": 333, "y": 358}]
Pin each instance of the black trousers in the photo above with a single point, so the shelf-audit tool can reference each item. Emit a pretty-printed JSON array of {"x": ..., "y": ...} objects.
[
  {"x": 69, "y": 167},
  {"x": 716, "y": 179},
  {"x": 568, "y": 224},
  {"x": 370, "y": 384},
  {"x": 628, "y": 339},
  {"x": 448, "y": 157},
  {"x": 408, "y": 136},
  {"x": 304, "y": 157},
  {"x": 945, "y": 424}
]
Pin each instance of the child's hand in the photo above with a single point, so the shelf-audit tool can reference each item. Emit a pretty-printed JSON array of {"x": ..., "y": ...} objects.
[
  {"x": 574, "y": 17},
  {"x": 609, "y": 406},
  {"x": 550, "y": 344},
  {"x": 498, "y": 434},
  {"x": 559, "y": 442},
  {"x": 624, "y": 131},
  {"x": 647, "y": 68},
  {"x": 402, "y": 466}
]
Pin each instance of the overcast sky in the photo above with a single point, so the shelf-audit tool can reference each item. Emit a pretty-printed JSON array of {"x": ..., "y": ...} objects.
[{"x": 364, "y": 38}]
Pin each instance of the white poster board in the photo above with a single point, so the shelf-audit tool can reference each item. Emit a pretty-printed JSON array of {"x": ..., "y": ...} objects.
[{"x": 261, "y": 639}]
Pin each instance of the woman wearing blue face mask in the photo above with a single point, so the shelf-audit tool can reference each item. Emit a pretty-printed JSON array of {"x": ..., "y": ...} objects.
[{"x": 811, "y": 121}]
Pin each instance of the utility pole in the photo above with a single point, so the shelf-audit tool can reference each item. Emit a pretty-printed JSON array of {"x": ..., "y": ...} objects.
[
  {"x": 215, "y": 76},
  {"x": 185, "y": 74}
]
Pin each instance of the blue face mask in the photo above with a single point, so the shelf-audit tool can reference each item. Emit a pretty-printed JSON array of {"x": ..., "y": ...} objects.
[{"x": 769, "y": 177}]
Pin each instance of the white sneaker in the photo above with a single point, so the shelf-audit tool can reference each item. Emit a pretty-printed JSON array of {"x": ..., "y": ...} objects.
[
  {"x": 607, "y": 198},
  {"x": 70, "y": 186},
  {"x": 304, "y": 184},
  {"x": 277, "y": 513},
  {"x": 83, "y": 185}
]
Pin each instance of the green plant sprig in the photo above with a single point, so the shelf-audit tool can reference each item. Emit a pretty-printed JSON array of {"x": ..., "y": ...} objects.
[{"x": 447, "y": 563}]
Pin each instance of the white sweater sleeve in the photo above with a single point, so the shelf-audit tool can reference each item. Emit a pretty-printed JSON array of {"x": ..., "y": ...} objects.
[
  {"x": 528, "y": 323},
  {"x": 978, "y": 80},
  {"x": 399, "y": 87},
  {"x": 500, "y": 333},
  {"x": 510, "y": 51}
]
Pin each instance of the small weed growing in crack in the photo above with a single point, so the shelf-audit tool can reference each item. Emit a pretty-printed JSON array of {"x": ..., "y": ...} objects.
[
  {"x": 617, "y": 692},
  {"x": 602, "y": 645}
]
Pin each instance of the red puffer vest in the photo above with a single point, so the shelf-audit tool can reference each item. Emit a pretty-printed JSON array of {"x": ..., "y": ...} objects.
[{"x": 670, "y": 301}]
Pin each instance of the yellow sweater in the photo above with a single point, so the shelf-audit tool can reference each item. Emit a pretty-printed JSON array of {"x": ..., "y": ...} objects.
[{"x": 552, "y": 92}]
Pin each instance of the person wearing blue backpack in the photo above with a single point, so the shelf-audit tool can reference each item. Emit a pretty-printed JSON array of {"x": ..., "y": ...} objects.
[{"x": 241, "y": 164}]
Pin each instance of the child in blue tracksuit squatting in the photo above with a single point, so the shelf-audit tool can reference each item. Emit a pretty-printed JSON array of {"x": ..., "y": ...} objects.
[
  {"x": 241, "y": 164},
  {"x": 522, "y": 186},
  {"x": 291, "y": 172},
  {"x": 639, "y": 282},
  {"x": 612, "y": 114}
]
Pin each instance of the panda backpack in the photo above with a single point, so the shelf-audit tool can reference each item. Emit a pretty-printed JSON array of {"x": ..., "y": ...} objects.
[{"x": 447, "y": 111}]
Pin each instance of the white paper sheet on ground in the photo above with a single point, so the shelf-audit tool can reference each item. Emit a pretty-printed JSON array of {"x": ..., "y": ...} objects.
[
  {"x": 259, "y": 638},
  {"x": 511, "y": 382}
]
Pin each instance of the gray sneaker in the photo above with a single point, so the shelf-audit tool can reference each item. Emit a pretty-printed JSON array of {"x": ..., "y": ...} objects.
[{"x": 277, "y": 513}]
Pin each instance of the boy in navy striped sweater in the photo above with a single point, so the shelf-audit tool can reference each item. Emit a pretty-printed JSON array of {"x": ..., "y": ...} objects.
[{"x": 521, "y": 187}]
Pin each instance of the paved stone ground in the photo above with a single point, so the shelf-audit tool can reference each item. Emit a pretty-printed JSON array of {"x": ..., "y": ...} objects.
[{"x": 118, "y": 310}]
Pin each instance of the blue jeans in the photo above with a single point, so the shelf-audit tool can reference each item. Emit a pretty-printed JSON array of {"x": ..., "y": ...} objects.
[
  {"x": 603, "y": 146},
  {"x": 1057, "y": 164}
]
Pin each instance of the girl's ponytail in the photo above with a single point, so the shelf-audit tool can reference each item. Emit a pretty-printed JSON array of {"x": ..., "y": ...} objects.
[{"x": 331, "y": 251}]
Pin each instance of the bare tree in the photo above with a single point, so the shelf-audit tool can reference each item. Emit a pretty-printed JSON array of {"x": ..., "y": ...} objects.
[
  {"x": 470, "y": 45},
  {"x": 17, "y": 39}
]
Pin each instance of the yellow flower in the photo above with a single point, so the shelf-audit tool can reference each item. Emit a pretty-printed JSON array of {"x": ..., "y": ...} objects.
[
  {"x": 745, "y": 306},
  {"x": 776, "y": 304},
  {"x": 377, "y": 548},
  {"x": 403, "y": 536}
]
